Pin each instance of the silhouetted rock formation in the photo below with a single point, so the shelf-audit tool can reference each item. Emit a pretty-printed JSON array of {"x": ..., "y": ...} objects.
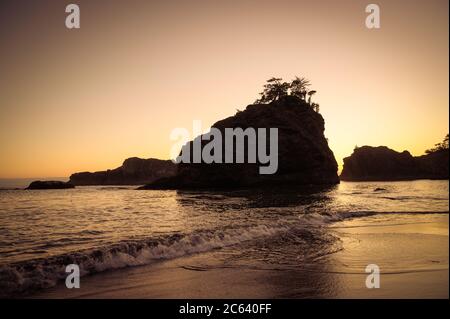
[
  {"x": 50, "y": 185},
  {"x": 303, "y": 153},
  {"x": 434, "y": 165},
  {"x": 383, "y": 164},
  {"x": 134, "y": 171}
]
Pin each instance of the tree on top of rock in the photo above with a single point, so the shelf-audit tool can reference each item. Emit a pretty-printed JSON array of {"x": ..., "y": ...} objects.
[
  {"x": 299, "y": 87},
  {"x": 439, "y": 146},
  {"x": 275, "y": 88}
]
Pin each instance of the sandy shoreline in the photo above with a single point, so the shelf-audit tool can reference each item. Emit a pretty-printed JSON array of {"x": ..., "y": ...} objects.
[{"x": 412, "y": 256}]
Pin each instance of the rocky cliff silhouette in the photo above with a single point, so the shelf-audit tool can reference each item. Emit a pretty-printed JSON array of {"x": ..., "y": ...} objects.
[
  {"x": 134, "y": 171},
  {"x": 381, "y": 163},
  {"x": 304, "y": 156}
]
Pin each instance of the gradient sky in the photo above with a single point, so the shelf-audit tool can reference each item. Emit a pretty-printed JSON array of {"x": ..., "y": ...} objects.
[{"x": 77, "y": 100}]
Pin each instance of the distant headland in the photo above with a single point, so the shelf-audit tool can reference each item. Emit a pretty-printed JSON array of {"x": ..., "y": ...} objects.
[
  {"x": 384, "y": 164},
  {"x": 134, "y": 171}
]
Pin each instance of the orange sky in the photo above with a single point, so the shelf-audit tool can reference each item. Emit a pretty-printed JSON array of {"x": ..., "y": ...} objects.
[{"x": 76, "y": 100}]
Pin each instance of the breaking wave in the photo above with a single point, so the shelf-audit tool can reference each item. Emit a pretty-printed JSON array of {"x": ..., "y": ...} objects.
[
  {"x": 41, "y": 273},
  {"x": 31, "y": 275}
]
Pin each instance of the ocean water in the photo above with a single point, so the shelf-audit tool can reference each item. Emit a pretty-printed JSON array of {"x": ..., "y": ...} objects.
[{"x": 106, "y": 228}]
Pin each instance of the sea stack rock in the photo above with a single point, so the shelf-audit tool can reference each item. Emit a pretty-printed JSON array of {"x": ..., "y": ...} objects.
[
  {"x": 134, "y": 171},
  {"x": 50, "y": 185},
  {"x": 381, "y": 163},
  {"x": 304, "y": 156}
]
